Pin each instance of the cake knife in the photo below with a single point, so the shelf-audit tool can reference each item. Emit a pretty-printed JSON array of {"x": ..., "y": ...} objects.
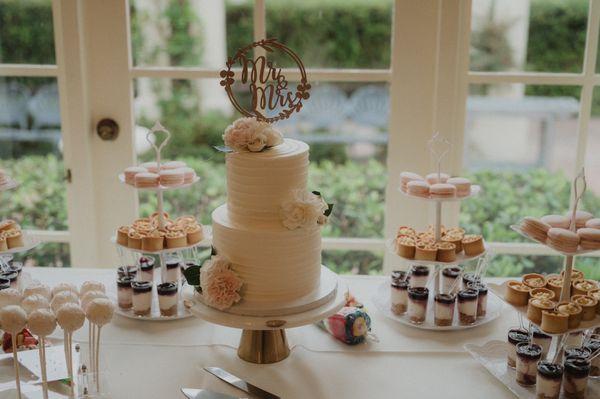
[
  {"x": 191, "y": 393},
  {"x": 240, "y": 384}
]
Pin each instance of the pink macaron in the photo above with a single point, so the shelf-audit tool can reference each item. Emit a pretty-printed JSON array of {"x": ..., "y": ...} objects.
[
  {"x": 462, "y": 184},
  {"x": 146, "y": 179},
  {"x": 150, "y": 166},
  {"x": 442, "y": 190},
  {"x": 593, "y": 223},
  {"x": 563, "y": 240},
  {"x": 419, "y": 188},
  {"x": 173, "y": 165},
  {"x": 581, "y": 218},
  {"x": 560, "y": 221},
  {"x": 406, "y": 177},
  {"x": 130, "y": 173},
  {"x": 171, "y": 177},
  {"x": 589, "y": 238},
  {"x": 434, "y": 178},
  {"x": 189, "y": 175}
]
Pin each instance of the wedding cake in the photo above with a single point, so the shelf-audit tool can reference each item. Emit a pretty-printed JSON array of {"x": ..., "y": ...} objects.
[{"x": 267, "y": 236}]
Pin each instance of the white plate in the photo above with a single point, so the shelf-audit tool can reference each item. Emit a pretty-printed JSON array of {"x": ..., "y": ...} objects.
[
  {"x": 500, "y": 289},
  {"x": 492, "y": 356},
  {"x": 29, "y": 243},
  {"x": 206, "y": 242},
  {"x": 460, "y": 258},
  {"x": 579, "y": 251},
  {"x": 475, "y": 189},
  {"x": 159, "y": 188},
  {"x": 382, "y": 301}
]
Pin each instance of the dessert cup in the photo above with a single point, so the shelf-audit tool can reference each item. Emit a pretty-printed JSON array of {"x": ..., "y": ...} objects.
[
  {"x": 399, "y": 296},
  {"x": 582, "y": 287},
  {"x": 594, "y": 345},
  {"x": 467, "y": 306},
  {"x": 417, "y": 304},
  {"x": 400, "y": 275},
  {"x": 446, "y": 252},
  {"x": 549, "y": 380},
  {"x": 528, "y": 356},
  {"x": 449, "y": 276},
  {"x": 124, "y": 292},
  {"x": 473, "y": 244},
  {"x": 469, "y": 278},
  {"x": 176, "y": 239},
  {"x": 542, "y": 339},
  {"x": 576, "y": 352},
  {"x": 515, "y": 336},
  {"x": 482, "y": 297},
  {"x": 127, "y": 271},
  {"x": 405, "y": 247},
  {"x": 134, "y": 240},
  {"x": 574, "y": 311},
  {"x": 146, "y": 271},
  {"x": 575, "y": 377},
  {"x": 4, "y": 283},
  {"x": 517, "y": 293},
  {"x": 153, "y": 241},
  {"x": 172, "y": 270},
  {"x": 12, "y": 277},
  {"x": 554, "y": 322},
  {"x": 554, "y": 283},
  {"x": 16, "y": 266},
  {"x": 536, "y": 306},
  {"x": 426, "y": 251},
  {"x": 456, "y": 239},
  {"x": 419, "y": 275},
  {"x": 542, "y": 293},
  {"x": 194, "y": 234},
  {"x": 444, "y": 309},
  {"x": 534, "y": 280},
  {"x": 167, "y": 298},
  {"x": 588, "y": 305},
  {"x": 142, "y": 297},
  {"x": 14, "y": 238}
]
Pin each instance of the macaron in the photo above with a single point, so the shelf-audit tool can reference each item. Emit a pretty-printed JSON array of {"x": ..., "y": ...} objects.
[
  {"x": 435, "y": 177},
  {"x": 442, "y": 190},
  {"x": 563, "y": 240},
  {"x": 419, "y": 188},
  {"x": 462, "y": 184},
  {"x": 589, "y": 238},
  {"x": 581, "y": 218},
  {"x": 172, "y": 165},
  {"x": 130, "y": 173},
  {"x": 150, "y": 166},
  {"x": 406, "y": 177},
  {"x": 146, "y": 179},
  {"x": 593, "y": 223},
  {"x": 171, "y": 177},
  {"x": 560, "y": 221},
  {"x": 189, "y": 175},
  {"x": 535, "y": 228}
]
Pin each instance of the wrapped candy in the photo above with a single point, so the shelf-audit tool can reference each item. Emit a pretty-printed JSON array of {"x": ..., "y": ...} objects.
[{"x": 350, "y": 325}]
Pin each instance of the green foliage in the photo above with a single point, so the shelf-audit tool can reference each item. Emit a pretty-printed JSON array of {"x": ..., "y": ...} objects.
[{"x": 490, "y": 49}]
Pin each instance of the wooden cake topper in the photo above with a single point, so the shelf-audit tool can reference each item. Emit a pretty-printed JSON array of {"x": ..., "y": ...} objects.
[{"x": 267, "y": 84}]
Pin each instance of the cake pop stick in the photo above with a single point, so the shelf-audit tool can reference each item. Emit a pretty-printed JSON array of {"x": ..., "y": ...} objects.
[
  {"x": 70, "y": 318},
  {"x": 99, "y": 312},
  {"x": 14, "y": 319},
  {"x": 85, "y": 301},
  {"x": 42, "y": 323}
]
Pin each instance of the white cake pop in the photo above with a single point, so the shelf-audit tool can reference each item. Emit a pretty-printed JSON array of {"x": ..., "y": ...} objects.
[
  {"x": 89, "y": 297},
  {"x": 42, "y": 322},
  {"x": 70, "y": 317},
  {"x": 13, "y": 319},
  {"x": 89, "y": 286},
  {"x": 34, "y": 302},
  {"x": 62, "y": 298},
  {"x": 65, "y": 287},
  {"x": 100, "y": 311},
  {"x": 39, "y": 289},
  {"x": 10, "y": 296}
]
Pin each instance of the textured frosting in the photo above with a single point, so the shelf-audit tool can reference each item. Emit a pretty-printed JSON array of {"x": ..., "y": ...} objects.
[
  {"x": 276, "y": 264},
  {"x": 258, "y": 183}
]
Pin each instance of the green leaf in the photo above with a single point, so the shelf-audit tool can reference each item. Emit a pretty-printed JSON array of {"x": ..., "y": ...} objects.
[
  {"x": 192, "y": 275},
  {"x": 329, "y": 210},
  {"x": 316, "y": 193}
]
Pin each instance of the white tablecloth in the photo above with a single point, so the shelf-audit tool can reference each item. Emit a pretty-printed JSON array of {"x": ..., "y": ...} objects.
[{"x": 155, "y": 359}]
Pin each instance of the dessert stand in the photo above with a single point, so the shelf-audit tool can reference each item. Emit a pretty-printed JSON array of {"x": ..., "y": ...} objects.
[
  {"x": 155, "y": 315},
  {"x": 263, "y": 339}
]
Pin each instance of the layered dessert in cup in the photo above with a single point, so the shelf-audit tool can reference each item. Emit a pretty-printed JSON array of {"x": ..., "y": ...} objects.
[
  {"x": 419, "y": 275},
  {"x": 400, "y": 275},
  {"x": 172, "y": 270},
  {"x": 417, "y": 304},
  {"x": 594, "y": 346},
  {"x": 142, "y": 297},
  {"x": 575, "y": 378},
  {"x": 469, "y": 278},
  {"x": 528, "y": 356},
  {"x": 467, "y": 306},
  {"x": 549, "y": 380},
  {"x": 12, "y": 277},
  {"x": 576, "y": 351},
  {"x": 168, "y": 298},
  {"x": 482, "y": 297},
  {"x": 542, "y": 339},
  {"x": 444, "y": 309},
  {"x": 399, "y": 296},
  {"x": 146, "y": 269},
  {"x": 4, "y": 283},
  {"x": 515, "y": 337},
  {"x": 449, "y": 276},
  {"x": 130, "y": 271},
  {"x": 125, "y": 292}
]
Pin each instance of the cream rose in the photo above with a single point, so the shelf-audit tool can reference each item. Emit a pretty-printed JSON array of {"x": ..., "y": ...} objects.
[
  {"x": 220, "y": 284},
  {"x": 304, "y": 209},
  {"x": 248, "y": 134}
]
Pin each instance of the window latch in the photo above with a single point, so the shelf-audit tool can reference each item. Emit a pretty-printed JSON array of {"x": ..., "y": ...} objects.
[{"x": 68, "y": 176}]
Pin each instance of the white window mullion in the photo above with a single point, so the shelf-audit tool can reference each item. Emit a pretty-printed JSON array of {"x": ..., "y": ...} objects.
[
  {"x": 28, "y": 70},
  {"x": 529, "y": 78}
]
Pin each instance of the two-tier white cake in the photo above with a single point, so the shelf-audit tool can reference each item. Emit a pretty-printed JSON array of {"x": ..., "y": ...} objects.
[{"x": 280, "y": 267}]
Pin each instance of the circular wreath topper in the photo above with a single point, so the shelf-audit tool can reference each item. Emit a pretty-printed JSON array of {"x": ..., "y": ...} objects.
[{"x": 268, "y": 85}]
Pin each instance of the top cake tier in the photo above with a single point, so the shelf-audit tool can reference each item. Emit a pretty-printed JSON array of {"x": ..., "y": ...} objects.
[{"x": 258, "y": 183}]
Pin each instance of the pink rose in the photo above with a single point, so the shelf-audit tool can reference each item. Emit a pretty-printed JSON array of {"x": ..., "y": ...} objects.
[{"x": 220, "y": 284}]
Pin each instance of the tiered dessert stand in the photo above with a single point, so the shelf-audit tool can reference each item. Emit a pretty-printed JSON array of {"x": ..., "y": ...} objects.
[
  {"x": 381, "y": 298},
  {"x": 162, "y": 255}
]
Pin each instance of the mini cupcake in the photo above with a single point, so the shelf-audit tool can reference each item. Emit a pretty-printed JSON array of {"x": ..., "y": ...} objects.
[
  {"x": 405, "y": 247},
  {"x": 446, "y": 252},
  {"x": 134, "y": 240},
  {"x": 130, "y": 173},
  {"x": 123, "y": 235},
  {"x": 154, "y": 241},
  {"x": 194, "y": 234},
  {"x": 176, "y": 239},
  {"x": 473, "y": 244},
  {"x": 14, "y": 238},
  {"x": 142, "y": 297}
]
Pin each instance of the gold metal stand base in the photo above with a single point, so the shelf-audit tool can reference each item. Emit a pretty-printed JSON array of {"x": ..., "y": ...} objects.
[{"x": 263, "y": 346}]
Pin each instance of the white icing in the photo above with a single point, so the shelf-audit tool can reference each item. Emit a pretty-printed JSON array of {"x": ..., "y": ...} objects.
[
  {"x": 418, "y": 281},
  {"x": 468, "y": 307},
  {"x": 444, "y": 311},
  {"x": 417, "y": 309},
  {"x": 166, "y": 302},
  {"x": 398, "y": 296},
  {"x": 548, "y": 387}
]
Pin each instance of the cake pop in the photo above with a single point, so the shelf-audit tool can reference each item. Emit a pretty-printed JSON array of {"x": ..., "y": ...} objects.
[
  {"x": 10, "y": 296},
  {"x": 65, "y": 287},
  {"x": 14, "y": 319},
  {"x": 42, "y": 323},
  {"x": 40, "y": 289},
  {"x": 99, "y": 313},
  {"x": 62, "y": 298},
  {"x": 70, "y": 318},
  {"x": 89, "y": 286},
  {"x": 34, "y": 302},
  {"x": 90, "y": 296}
]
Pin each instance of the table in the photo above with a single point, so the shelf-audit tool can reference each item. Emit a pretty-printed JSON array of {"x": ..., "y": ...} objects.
[{"x": 156, "y": 359}]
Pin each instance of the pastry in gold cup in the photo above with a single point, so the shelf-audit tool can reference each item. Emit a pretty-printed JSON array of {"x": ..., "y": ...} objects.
[
  {"x": 406, "y": 231},
  {"x": 542, "y": 293},
  {"x": 134, "y": 240},
  {"x": 194, "y": 233},
  {"x": 595, "y": 293},
  {"x": 534, "y": 280},
  {"x": 554, "y": 322},
  {"x": 3, "y": 245},
  {"x": 405, "y": 247},
  {"x": 588, "y": 305},
  {"x": 517, "y": 293},
  {"x": 14, "y": 238},
  {"x": 176, "y": 239},
  {"x": 122, "y": 235},
  {"x": 582, "y": 287},
  {"x": 456, "y": 239},
  {"x": 473, "y": 244},
  {"x": 446, "y": 252},
  {"x": 576, "y": 274},
  {"x": 555, "y": 283},
  {"x": 536, "y": 306},
  {"x": 155, "y": 241},
  {"x": 574, "y": 311},
  {"x": 8, "y": 224},
  {"x": 426, "y": 251}
]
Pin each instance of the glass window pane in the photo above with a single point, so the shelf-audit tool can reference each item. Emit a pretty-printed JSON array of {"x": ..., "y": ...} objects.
[
  {"x": 520, "y": 147},
  {"x": 343, "y": 34},
  {"x": 353, "y": 262},
  {"x": 47, "y": 254},
  {"x": 26, "y": 32},
  {"x": 188, "y": 32},
  {"x": 536, "y": 35},
  {"x": 591, "y": 201}
]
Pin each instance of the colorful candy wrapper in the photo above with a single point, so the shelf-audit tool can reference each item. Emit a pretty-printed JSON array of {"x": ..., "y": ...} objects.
[{"x": 350, "y": 325}]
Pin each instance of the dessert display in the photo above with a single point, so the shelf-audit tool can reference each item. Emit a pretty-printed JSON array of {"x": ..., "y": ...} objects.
[
  {"x": 528, "y": 356},
  {"x": 153, "y": 175},
  {"x": 435, "y": 185},
  {"x": 549, "y": 380}
]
